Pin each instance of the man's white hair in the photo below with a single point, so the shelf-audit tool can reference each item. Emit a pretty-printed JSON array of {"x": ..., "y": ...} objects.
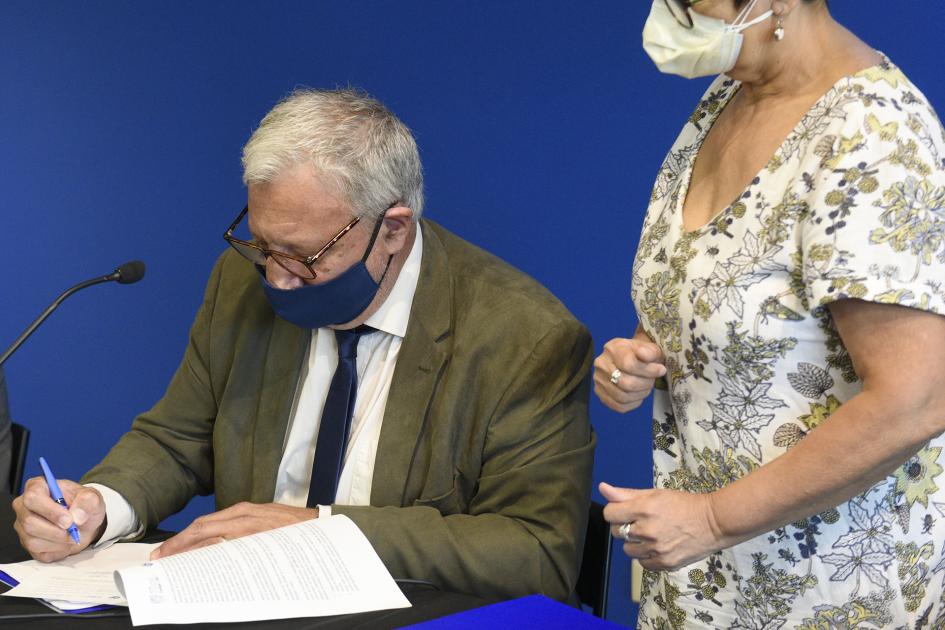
[{"x": 350, "y": 138}]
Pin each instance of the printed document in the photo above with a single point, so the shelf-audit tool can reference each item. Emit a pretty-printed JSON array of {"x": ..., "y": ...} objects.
[
  {"x": 80, "y": 581},
  {"x": 320, "y": 567}
]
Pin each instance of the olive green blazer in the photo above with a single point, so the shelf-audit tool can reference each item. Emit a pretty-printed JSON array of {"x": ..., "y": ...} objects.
[{"x": 483, "y": 469}]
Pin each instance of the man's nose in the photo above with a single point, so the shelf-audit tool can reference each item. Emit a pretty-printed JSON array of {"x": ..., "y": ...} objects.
[{"x": 280, "y": 277}]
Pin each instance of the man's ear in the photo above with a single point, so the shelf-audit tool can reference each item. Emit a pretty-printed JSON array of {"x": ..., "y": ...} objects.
[{"x": 398, "y": 222}]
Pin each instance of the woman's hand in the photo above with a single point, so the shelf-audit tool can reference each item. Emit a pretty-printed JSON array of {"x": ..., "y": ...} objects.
[
  {"x": 625, "y": 371},
  {"x": 667, "y": 529}
]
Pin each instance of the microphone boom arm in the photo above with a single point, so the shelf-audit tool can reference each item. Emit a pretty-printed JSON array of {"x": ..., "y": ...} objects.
[{"x": 126, "y": 274}]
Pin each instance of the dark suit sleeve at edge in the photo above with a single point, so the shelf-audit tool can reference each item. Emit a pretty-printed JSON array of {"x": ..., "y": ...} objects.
[
  {"x": 524, "y": 529},
  {"x": 6, "y": 439}
]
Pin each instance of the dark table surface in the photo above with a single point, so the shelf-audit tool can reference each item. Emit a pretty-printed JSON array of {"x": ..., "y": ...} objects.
[{"x": 428, "y": 603}]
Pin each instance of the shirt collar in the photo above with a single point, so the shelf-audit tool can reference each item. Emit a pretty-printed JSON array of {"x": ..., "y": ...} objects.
[{"x": 393, "y": 314}]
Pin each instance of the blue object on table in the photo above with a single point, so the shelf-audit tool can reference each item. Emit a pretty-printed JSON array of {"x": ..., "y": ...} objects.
[
  {"x": 56, "y": 495},
  {"x": 525, "y": 613}
]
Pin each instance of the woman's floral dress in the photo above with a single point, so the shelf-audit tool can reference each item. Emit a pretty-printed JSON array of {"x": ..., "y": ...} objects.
[{"x": 852, "y": 205}]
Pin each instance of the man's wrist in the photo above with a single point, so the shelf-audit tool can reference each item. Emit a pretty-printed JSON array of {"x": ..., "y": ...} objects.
[
  {"x": 100, "y": 530},
  {"x": 120, "y": 520}
]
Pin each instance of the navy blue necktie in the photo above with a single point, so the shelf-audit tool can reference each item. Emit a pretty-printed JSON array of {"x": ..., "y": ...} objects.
[{"x": 336, "y": 419}]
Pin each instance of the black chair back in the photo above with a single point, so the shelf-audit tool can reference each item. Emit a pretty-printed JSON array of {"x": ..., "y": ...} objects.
[
  {"x": 594, "y": 579},
  {"x": 21, "y": 440}
]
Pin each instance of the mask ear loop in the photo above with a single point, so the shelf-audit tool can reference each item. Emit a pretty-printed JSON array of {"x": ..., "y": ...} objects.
[
  {"x": 744, "y": 13},
  {"x": 377, "y": 229},
  {"x": 740, "y": 25}
]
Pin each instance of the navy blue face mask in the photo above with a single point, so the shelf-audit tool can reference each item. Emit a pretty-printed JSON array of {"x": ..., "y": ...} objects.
[{"x": 336, "y": 301}]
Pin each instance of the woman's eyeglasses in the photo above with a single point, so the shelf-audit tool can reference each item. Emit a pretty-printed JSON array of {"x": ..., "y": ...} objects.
[{"x": 680, "y": 11}]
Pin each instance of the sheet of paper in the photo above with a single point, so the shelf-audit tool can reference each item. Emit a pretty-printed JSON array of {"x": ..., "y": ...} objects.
[
  {"x": 110, "y": 558},
  {"x": 78, "y": 581},
  {"x": 64, "y": 583},
  {"x": 320, "y": 567}
]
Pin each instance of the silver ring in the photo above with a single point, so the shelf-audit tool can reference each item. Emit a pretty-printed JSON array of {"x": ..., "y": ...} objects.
[
  {"x": 624, "y": 531},
  {"x": 615, "y": 376}
]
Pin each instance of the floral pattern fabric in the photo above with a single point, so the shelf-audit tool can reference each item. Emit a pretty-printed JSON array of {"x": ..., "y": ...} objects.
[{"x": 852, "y": 205}]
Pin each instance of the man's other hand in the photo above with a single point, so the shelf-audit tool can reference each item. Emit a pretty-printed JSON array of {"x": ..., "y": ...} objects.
[{"x": 236, "y": 521}]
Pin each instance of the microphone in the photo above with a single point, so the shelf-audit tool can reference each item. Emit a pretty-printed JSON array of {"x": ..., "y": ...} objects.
[{"x": 128, "y": 273}]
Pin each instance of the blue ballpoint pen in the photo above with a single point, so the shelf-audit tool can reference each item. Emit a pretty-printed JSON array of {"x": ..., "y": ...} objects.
[{"x": 56, "y": 495}]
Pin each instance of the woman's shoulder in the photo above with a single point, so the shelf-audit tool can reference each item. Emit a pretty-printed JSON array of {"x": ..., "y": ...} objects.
[
  {"x": 882, "y": 101},
  {"x": 884, "y": 81},
  {"x": 713, "y": 100},
  {"x": 874, "y": 116}
]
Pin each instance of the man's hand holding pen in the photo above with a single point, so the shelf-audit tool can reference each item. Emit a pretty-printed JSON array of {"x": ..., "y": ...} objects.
[{"x": 43, "y": 524}]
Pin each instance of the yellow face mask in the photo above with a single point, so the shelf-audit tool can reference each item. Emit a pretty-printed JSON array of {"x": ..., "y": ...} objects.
[{"x": 709, "y": 47}]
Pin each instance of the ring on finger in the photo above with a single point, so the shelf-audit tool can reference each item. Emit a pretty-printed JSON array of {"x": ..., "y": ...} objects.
[
  {"x": 615, "y": 376},
  {"x": 624, "y": 531}
]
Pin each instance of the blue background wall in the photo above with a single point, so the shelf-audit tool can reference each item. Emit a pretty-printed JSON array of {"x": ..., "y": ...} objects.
[{"x": 541, "y": 126}]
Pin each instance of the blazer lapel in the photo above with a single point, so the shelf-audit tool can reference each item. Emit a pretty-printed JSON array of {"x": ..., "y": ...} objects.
[
  {"x": 287, "y": 349},
  {"x": 420, "y": 363}
]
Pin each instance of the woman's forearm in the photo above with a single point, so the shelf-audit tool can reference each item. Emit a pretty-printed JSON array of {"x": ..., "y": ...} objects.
[{"x": 860, "y": 444}]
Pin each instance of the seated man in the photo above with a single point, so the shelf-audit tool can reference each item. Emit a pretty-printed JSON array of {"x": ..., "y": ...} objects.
[{"x": 453, "y": 428}]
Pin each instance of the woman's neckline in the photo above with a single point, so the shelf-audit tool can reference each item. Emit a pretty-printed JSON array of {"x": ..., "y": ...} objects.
[{"x": 709, "y": 123}]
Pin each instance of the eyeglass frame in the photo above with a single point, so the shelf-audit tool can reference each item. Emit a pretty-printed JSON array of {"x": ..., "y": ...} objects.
[
  {"x": 307, "y": 261},
  {"x": 685, "y": 5}
]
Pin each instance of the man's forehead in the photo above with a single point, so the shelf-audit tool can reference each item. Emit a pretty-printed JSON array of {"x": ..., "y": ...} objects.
[{"x": 300, "y": 196}]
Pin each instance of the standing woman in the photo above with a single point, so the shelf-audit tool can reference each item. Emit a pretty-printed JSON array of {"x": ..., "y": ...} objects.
[{"x": 790, "y": 288}]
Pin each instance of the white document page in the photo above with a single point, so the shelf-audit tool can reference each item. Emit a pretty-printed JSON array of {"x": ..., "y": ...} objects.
[
  {"x": 78, "y": 581},
  {"x": 80, "y": 587},
  {"x": 320, "y": 567}
]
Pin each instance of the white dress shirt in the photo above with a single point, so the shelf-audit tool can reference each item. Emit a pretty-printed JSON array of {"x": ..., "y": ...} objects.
[{"x": 377, "y": 358}]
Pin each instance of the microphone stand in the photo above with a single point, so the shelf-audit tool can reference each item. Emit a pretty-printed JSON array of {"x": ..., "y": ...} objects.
[{"x": 52, "y": 307}]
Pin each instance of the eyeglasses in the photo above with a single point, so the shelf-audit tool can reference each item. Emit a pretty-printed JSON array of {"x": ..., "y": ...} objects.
[
  {"x": 258, "y": 255},
  {"x": 680, "y": 11}
]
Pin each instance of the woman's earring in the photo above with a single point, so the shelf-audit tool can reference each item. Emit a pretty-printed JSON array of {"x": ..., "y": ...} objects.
[{"x": 779, "y": 31}]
